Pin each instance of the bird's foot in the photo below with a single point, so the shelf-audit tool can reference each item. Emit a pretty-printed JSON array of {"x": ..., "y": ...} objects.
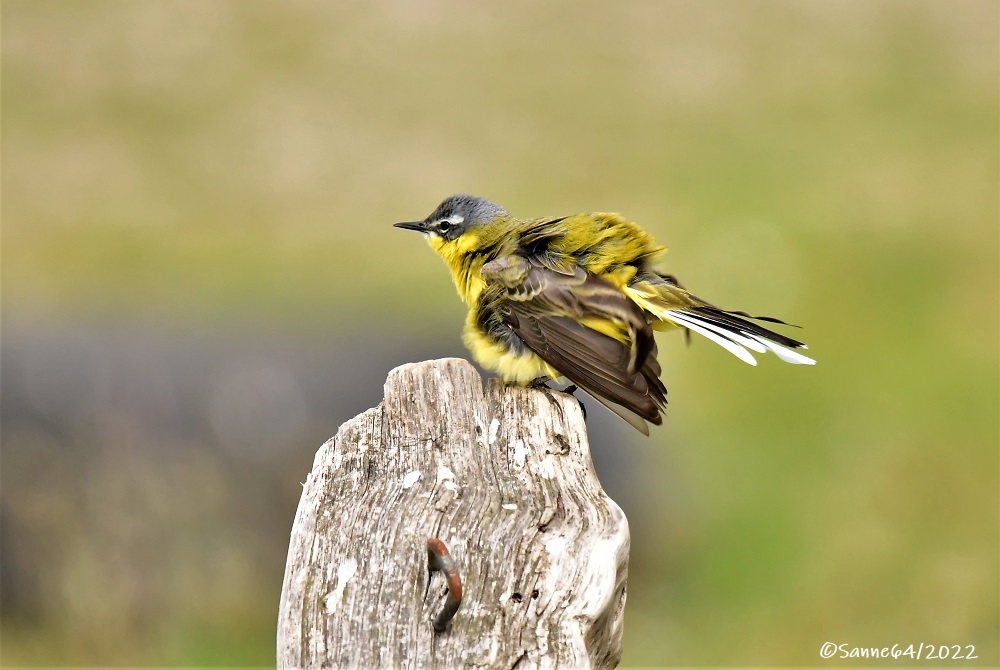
[{"x": 539, "y": 383}]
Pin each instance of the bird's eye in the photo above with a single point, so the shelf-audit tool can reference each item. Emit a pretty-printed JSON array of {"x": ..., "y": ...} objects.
[{"x": 444, "y": 226}]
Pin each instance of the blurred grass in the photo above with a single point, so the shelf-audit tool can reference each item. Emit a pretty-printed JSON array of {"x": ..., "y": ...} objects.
[{"x": 238, "y": 165}]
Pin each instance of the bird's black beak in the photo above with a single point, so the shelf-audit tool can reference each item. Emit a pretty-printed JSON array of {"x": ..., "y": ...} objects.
[{"x": 419, "y": 226}]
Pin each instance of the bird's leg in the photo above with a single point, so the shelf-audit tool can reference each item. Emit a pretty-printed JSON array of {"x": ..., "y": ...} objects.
[
  {"x": 542, "y": 383},
  {"x": 539, "y": 382}
]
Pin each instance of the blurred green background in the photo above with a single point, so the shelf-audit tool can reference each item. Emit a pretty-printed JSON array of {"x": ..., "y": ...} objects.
[{"x": 200, "y": 283}]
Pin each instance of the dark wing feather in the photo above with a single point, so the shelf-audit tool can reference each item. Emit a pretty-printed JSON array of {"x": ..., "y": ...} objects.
[{"x": 548, "y": 310}]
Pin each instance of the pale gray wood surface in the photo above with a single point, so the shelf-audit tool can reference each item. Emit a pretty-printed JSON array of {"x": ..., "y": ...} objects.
[{"x": 504, "y": 477}]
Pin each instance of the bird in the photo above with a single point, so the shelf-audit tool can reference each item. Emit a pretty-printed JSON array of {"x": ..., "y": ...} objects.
[{"x": 578, "y": 298}]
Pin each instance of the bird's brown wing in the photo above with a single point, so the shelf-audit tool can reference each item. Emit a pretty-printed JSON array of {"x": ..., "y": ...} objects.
[{"x": 588, "y": 330}]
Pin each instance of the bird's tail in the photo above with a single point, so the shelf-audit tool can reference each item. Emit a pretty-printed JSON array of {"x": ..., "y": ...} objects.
[{"x": 736, "y": 332}]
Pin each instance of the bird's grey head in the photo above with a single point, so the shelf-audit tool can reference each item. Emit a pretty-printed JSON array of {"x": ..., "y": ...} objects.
[{"x": 456, "y": 215}]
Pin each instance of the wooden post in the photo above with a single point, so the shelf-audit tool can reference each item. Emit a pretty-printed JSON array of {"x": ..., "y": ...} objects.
[{"x": 504, "y": 478}]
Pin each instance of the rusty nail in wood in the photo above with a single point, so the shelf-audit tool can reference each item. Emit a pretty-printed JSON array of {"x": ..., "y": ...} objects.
[{"x": 438, "y": 558}]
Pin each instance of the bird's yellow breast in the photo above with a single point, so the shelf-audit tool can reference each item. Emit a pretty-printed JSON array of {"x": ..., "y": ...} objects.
[
  {"x": 465, "y": 266},
  {"x": 517, "y": 367}
]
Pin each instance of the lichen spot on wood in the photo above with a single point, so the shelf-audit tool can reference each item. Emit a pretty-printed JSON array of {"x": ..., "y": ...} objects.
[
  {"x": 410, "y": 478},
  {"x": 345, "y": 571}
]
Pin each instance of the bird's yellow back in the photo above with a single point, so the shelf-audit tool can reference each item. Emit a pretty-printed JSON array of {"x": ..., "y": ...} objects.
[{"x": 603, "y": 244}]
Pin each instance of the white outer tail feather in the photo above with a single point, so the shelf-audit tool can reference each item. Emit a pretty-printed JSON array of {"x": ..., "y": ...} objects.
[
  {"x": 735, "y": 343},
  {"x": 710, "y": 331}
]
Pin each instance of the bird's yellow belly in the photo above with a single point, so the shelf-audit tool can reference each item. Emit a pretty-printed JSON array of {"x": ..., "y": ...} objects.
[{"x": 511, "y": 366}]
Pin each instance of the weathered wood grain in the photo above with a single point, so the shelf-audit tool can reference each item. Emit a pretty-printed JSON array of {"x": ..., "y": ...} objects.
[{"x": 504, "y": 478}]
